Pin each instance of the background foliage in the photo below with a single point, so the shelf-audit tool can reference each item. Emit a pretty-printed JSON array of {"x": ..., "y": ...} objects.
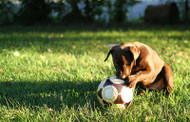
[
  {"x": 6, "y": 12},
  {"x": 33, "y": 12},
  {"x": 43, "y": 12}
]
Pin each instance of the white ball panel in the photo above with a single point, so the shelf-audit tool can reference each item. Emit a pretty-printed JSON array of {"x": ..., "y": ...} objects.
[
  {"x": 127, "y": 94},
  {"x": 101, "y": 84},
  {"x": 109, "y": 93},
  {"x": 114, "y": 79}
]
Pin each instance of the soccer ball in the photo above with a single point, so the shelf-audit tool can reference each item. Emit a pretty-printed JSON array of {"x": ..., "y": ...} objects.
[{"x": 113, "y": 91}]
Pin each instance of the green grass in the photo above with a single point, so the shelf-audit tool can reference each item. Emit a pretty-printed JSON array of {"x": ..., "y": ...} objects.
[{"x": 55, "y": 72}]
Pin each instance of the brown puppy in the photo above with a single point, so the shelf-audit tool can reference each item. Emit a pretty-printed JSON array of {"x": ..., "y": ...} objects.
[{"x": 138, "y": 63}]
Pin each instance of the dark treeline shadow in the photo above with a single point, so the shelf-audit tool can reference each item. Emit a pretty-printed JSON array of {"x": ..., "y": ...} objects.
[{"x": 94, "y": 27}]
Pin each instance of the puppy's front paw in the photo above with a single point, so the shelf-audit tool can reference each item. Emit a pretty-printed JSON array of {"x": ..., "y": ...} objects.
[{"x": 132, "y": 82}]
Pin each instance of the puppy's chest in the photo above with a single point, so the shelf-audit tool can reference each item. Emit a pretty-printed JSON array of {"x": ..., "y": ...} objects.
[{"x": 136, "y": 69}]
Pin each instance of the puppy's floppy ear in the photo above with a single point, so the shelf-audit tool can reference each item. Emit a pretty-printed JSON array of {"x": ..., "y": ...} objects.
[
  {"x": 136, "y": 52},
  {"x": 108, "y": 54}
]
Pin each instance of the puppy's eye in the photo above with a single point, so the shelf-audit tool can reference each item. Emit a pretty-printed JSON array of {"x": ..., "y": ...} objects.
[{"x": 127, "y": 64}]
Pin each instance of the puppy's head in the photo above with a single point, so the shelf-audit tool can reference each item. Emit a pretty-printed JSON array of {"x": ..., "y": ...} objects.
[{"x": 124, "y": 58}]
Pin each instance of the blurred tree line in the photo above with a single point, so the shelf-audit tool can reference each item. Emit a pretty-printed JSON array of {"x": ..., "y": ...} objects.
[{"x": 32, "y": 12}]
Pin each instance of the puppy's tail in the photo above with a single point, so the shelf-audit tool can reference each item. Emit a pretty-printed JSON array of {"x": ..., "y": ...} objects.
[{"x": 108, "y": 55}]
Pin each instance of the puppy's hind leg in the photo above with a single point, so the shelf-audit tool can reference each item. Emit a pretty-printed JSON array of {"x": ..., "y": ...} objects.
[
  {"x": 168, "y": 78},
  {"x": 164, "y": 80}
]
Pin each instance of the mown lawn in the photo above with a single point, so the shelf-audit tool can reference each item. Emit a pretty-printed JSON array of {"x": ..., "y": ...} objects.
[{"x": 52, "y": 73}]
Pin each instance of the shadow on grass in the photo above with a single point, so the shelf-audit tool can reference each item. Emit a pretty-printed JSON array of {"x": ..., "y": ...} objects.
[{"x": 53, "y": 94}]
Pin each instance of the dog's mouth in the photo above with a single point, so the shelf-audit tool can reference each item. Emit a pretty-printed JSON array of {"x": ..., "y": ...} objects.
[
  {"x": 126, "y": 81},
  {"x": 122, "y": 76}
]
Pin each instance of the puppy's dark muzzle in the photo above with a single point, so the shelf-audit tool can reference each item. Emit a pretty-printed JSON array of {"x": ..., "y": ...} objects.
[{"x": 126, "y": 80}]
